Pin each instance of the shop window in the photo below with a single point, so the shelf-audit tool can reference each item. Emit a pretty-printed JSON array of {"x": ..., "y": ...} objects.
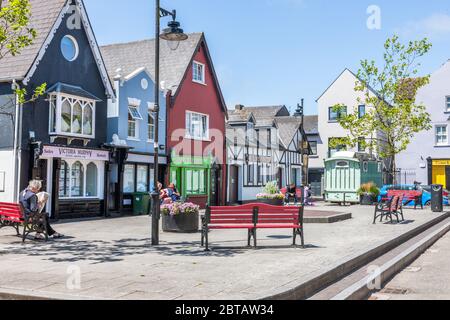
[
  {"x": 64, "y": 182},
  {"x": 77, "y": 180},
  {"x": 142, "y": 178},
  {"x": 91, "y": 180},
  {"x": 77, "y": 116},
  {"x": 129, "y": 179},
  {"x": 197, "y": 126},
  {"x": 195, "y": 181}
]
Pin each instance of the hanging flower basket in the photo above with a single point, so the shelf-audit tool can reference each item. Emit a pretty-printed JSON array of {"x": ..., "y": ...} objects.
[{"x": 180, "y": 217}]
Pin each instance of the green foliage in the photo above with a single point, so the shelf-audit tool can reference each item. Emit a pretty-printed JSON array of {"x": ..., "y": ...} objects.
[
  {"x": 392, "y": 116},
  {"x": 271, "y": 188},
  {"x": 369, "y": 189},
  {"x": 15, "y": 34}
]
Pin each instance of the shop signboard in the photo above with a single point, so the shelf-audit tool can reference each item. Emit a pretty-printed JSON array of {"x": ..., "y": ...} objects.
[{"x": 72, "y": 153}]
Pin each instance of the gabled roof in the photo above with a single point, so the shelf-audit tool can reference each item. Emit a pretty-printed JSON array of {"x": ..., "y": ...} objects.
[
  {"x": 141, "y": 54},
  {"x": 311, "y": 125},
  {"x": 174, "y": 64},
  {"x": 264, "y": 116},
  {"x": 287, "y": 128},
  {"x": 46, "y": 17}
]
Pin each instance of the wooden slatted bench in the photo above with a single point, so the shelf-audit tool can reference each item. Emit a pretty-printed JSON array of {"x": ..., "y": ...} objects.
[
  {"x": 408, "y": 196},
  {"x": 252, "y": 217},
  {"x": 11, "y": 215}
]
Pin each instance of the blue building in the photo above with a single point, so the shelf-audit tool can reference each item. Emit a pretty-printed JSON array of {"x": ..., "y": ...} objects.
[{"x": 131, "y": 128}]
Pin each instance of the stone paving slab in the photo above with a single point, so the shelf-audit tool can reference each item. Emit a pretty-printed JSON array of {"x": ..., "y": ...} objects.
[{"x": 116, "y": 260}]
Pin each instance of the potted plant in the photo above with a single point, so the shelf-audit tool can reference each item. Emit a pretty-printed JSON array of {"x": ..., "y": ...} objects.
[
  {"x": 271, "y": 195},
  {"x": 368, "y": 193},
  {"x": 180, "y": 217}
]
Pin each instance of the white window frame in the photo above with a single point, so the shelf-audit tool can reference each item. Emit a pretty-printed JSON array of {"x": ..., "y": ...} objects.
[
  {"x": 436, "y": 135},
  {"x": 84, "y": 163},
  {"x": 194, "y": 72},
  {"x": 188, "y": 134},
  {"x": 447, "y": 104},
  {"x": 151, "y": 114},
  {"x": 54, "y": 127},
  {"x": 135, "y": 120}
]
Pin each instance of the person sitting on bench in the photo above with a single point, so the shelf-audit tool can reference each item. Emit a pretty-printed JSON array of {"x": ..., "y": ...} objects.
[
  {"x": 31, "y": 205},
  {"x": 291, "y": 193}
]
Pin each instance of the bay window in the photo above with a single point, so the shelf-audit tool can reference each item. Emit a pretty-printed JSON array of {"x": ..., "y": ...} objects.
[
  {"x": 197, "y": 126},
  {"x": 71, "y": 116}
]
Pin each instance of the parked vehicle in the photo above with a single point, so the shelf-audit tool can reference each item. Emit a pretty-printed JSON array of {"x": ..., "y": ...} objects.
[{"x": 426, "y": 189}]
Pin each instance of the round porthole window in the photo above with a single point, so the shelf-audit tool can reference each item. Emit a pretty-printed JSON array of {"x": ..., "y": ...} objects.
[
  {"x": 69, "y": 48},
  {"x": 144, "y": 84}
]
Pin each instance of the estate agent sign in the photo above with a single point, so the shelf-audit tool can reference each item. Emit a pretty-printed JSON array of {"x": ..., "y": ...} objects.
[{"x": 71, "y": 153}]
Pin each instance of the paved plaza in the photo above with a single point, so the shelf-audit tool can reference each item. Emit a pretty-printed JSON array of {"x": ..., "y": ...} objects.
[
  {"x": 427, "y": 278},
  {"x": 115, "y": 260}
]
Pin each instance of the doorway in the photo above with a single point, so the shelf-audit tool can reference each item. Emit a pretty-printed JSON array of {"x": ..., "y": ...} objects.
[{"x": 234, "y": 184}]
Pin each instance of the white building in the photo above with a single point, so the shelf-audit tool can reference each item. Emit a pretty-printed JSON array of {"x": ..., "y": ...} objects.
[
  {"x": 341, "y": 91},
  {"x": 427, "y": 159}
]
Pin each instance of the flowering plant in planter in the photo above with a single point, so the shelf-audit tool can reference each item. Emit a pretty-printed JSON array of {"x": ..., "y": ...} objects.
[
  {"x": 270, "y": 192},
  {"x": 178, "y": 208}
]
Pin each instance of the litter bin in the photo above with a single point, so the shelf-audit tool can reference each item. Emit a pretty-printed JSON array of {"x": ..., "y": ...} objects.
[
  {"x": 141, "y": 202},
  {"x": 437, "y": 198}
]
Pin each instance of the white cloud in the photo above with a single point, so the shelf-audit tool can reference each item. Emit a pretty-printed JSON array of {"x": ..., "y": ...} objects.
[{"x": 434, "y": 26}]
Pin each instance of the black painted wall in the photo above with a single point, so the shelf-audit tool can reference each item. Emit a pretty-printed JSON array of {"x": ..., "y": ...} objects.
[{"x": 54, "y": 68}]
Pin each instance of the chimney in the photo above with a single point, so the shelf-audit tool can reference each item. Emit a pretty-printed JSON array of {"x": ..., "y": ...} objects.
[
  {"x": 300, "y": 109},
  {"x": 239, "y": 107}
]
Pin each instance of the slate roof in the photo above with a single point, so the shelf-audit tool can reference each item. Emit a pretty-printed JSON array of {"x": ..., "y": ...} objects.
[
  {"x": 264, "y": 116},
  {"x": 287, "y": 127},
  {"x": 141, "y": 54},
  {"x": 72, "y": 90},
  {"x": 44, "y": 15},
  {"x": 311, "y": 125}
]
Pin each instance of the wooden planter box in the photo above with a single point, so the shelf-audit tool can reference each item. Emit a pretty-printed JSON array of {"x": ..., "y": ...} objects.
[
  {"x": 367, "y": 200},
  {"x": 182, "y": 223},
  {"x": 272, "y": 202}
]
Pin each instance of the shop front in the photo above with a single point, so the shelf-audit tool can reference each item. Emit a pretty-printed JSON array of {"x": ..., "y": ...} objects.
[
  {"x": 138, "y": 177},
  {"x": 75, "y": 180},
  {"x": 439, "y": 172},
  {"x": 193, "y": 178}
]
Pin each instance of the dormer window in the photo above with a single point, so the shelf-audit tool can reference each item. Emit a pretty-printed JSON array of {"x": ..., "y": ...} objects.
[
  {"x": 198, "y": 72},
  {"x": 72, "y": 116}
]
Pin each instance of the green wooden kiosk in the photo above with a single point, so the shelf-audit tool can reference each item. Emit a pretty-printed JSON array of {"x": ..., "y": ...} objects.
[{"x": 345, "y": 172}]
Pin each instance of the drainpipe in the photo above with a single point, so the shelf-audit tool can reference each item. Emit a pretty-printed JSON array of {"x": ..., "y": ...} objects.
[{"x": 17, "y": 141}]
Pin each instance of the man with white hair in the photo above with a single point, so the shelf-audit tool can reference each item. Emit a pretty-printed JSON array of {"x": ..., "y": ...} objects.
[{"x": 31, "y": 205}]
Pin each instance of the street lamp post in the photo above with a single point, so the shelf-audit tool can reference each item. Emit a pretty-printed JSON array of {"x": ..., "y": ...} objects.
[{"x": 173, "y": 34}]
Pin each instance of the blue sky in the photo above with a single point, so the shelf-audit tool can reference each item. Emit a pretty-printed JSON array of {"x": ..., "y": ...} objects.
[{"x": 271, "y": 52}]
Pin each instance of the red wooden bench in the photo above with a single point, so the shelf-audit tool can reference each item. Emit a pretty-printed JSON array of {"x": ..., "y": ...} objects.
[
  {"x": 253, "y": 217},
  {"x": 11, "y": 215},
  {"x": 407, "y": 196}
]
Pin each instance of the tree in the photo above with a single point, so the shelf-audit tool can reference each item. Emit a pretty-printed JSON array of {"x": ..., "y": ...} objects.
[
  {"x": 394, "y": 116},
  {"x": 16, "y": 35}
]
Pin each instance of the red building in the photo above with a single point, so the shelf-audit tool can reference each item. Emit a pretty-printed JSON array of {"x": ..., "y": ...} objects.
[{"x": 196, "y": 124}]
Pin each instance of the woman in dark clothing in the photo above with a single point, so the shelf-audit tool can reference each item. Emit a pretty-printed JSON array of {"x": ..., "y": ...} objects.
[{"x": 30, "y": 204}]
